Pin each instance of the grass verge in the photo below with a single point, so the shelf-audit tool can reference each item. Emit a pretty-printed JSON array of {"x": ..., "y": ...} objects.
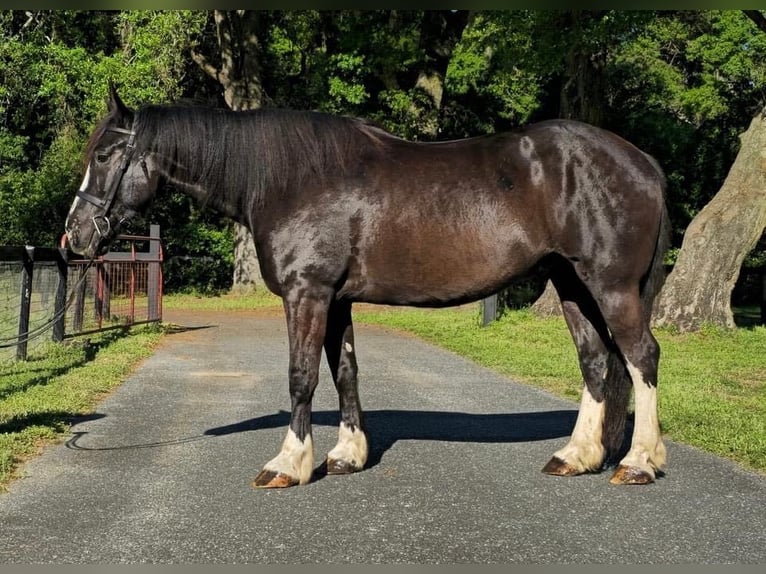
[
  {"x": 261, "y": 299},
  {"x": 58, "y": 383}
]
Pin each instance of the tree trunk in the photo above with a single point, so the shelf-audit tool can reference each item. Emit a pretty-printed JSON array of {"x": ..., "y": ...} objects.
[
  {"x": 698, "y": 290},
  {"x": 548, "y": 304},
  {"x": 239, "y": 74},
  {"x": 440, "y": 31}
]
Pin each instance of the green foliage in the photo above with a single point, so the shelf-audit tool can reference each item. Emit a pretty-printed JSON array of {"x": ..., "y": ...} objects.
[
  {"x": 684, "y": 89},
  {"x": 345, "y": 88},
  {"x": 154, "y": 62},
  {"x": 680, "y": 85},
  {"x": 488, "y": 68},
  {"x": 199, "y": 257}
]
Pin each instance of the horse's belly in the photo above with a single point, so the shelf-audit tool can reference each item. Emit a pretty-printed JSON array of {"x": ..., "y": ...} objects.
[{"x": 437, "y": 266}]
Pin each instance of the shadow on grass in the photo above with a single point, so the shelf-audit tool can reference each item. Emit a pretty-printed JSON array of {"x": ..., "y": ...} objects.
[
  {"x": 34, "y": 372},
  {"x": 747, "y": 317},
  {"x": 55, "y": 420}
]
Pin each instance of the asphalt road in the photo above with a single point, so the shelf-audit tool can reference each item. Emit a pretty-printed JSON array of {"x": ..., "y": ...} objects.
[{"x": 161, "y": 472}]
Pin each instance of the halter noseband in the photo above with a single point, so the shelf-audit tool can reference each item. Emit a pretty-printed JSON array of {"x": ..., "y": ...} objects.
[{"x": 106, "y": 202}]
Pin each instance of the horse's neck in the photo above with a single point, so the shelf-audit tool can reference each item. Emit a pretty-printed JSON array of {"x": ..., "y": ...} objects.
[{"x": 202, "y": 195}]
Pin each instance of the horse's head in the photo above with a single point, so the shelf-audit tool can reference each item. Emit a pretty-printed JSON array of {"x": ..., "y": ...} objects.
[{"x": 120, "y": 180}]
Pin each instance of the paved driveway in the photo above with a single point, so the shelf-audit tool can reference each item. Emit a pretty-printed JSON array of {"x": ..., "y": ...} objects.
[{"x": 161, "y": 472}]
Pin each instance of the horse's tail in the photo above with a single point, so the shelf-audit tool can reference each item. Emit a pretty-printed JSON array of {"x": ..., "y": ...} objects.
[
  {"x": 618, "y": 384},
  {"x": 655, "y": 277}
]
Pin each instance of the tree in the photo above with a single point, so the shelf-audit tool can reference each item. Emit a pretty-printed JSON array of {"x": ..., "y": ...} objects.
[
  {"x": 698, "y": 290},
  {"x": 48, "y": 60}
]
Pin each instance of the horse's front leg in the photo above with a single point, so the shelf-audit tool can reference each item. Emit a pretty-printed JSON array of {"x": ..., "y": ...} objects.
[
  {"x": 350, "y": 454},
  {"x": 306, "y": 324}
]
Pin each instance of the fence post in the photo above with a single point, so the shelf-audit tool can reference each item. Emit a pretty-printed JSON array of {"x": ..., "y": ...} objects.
[
  {"x": 489, "y": 309},
  {"x": 153, "y": 285},
  {"x": 26, "y": 300},
  {"x": 59, "y": 312},
  {"x": 98, "y": 295},
  {"x": 132, "y": 285},
  {"x": 763, "y": 295},
  {"x": 106, "y": 291},
  {"x": 79, "y": 306}
]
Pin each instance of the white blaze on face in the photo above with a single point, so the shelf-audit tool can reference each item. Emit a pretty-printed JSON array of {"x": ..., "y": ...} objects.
[
  {"x": 86, "y": 180},
  {"x": 70, "y": 225},
  {"x": 83, "y": 187}
]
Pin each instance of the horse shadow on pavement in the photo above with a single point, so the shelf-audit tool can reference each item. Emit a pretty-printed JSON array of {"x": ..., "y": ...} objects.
[{"x": 386, "y": 427}]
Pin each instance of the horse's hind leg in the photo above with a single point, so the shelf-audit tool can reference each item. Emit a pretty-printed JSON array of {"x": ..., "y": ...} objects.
[
  {"x": 599, "y": 430},
  {"x": 306, "y": 324},
  {"x": 629, "y": 325},
  {"x": 350, "y": 454}
]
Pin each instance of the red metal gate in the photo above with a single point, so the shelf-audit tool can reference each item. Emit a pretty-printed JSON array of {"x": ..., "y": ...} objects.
[{"x": 122, "y": 287}]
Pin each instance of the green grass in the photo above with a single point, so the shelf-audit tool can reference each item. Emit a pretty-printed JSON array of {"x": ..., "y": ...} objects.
[
  {"x": 60, "y": 382},
  {"x": 261, "y": 299}
]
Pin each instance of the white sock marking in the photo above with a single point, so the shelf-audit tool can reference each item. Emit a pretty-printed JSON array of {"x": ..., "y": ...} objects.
[
  {"x": 584, "y": 450},
  {"x": 296, "y": 458},
  {"x": 351, "y": 448},
  {"x": 647, "y": 451}
]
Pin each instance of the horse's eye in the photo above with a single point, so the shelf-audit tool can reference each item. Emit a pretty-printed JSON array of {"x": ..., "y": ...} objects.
[{"x": 102, "y": 157}]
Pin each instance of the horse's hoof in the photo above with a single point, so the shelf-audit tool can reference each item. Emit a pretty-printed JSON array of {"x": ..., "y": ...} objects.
[
  {"x": 631, "y": 475},
  {"x": 340, "y": 467},
  {"x": 273, "y": 479},
  {"x": 558, "y": 467}
]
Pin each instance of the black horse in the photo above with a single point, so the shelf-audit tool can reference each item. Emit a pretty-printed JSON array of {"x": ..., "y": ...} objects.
[{"x": 342, "y": 211}]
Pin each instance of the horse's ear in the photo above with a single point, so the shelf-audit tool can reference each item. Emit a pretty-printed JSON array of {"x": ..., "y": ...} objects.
[{"x": 114, "y": 104}]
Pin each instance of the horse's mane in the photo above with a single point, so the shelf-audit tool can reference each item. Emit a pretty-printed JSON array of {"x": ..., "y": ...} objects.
[{"x": 248, "y": 158}]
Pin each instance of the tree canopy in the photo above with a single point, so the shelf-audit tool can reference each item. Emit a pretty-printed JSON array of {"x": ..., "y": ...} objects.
[{"x": 682, "y": 85}]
